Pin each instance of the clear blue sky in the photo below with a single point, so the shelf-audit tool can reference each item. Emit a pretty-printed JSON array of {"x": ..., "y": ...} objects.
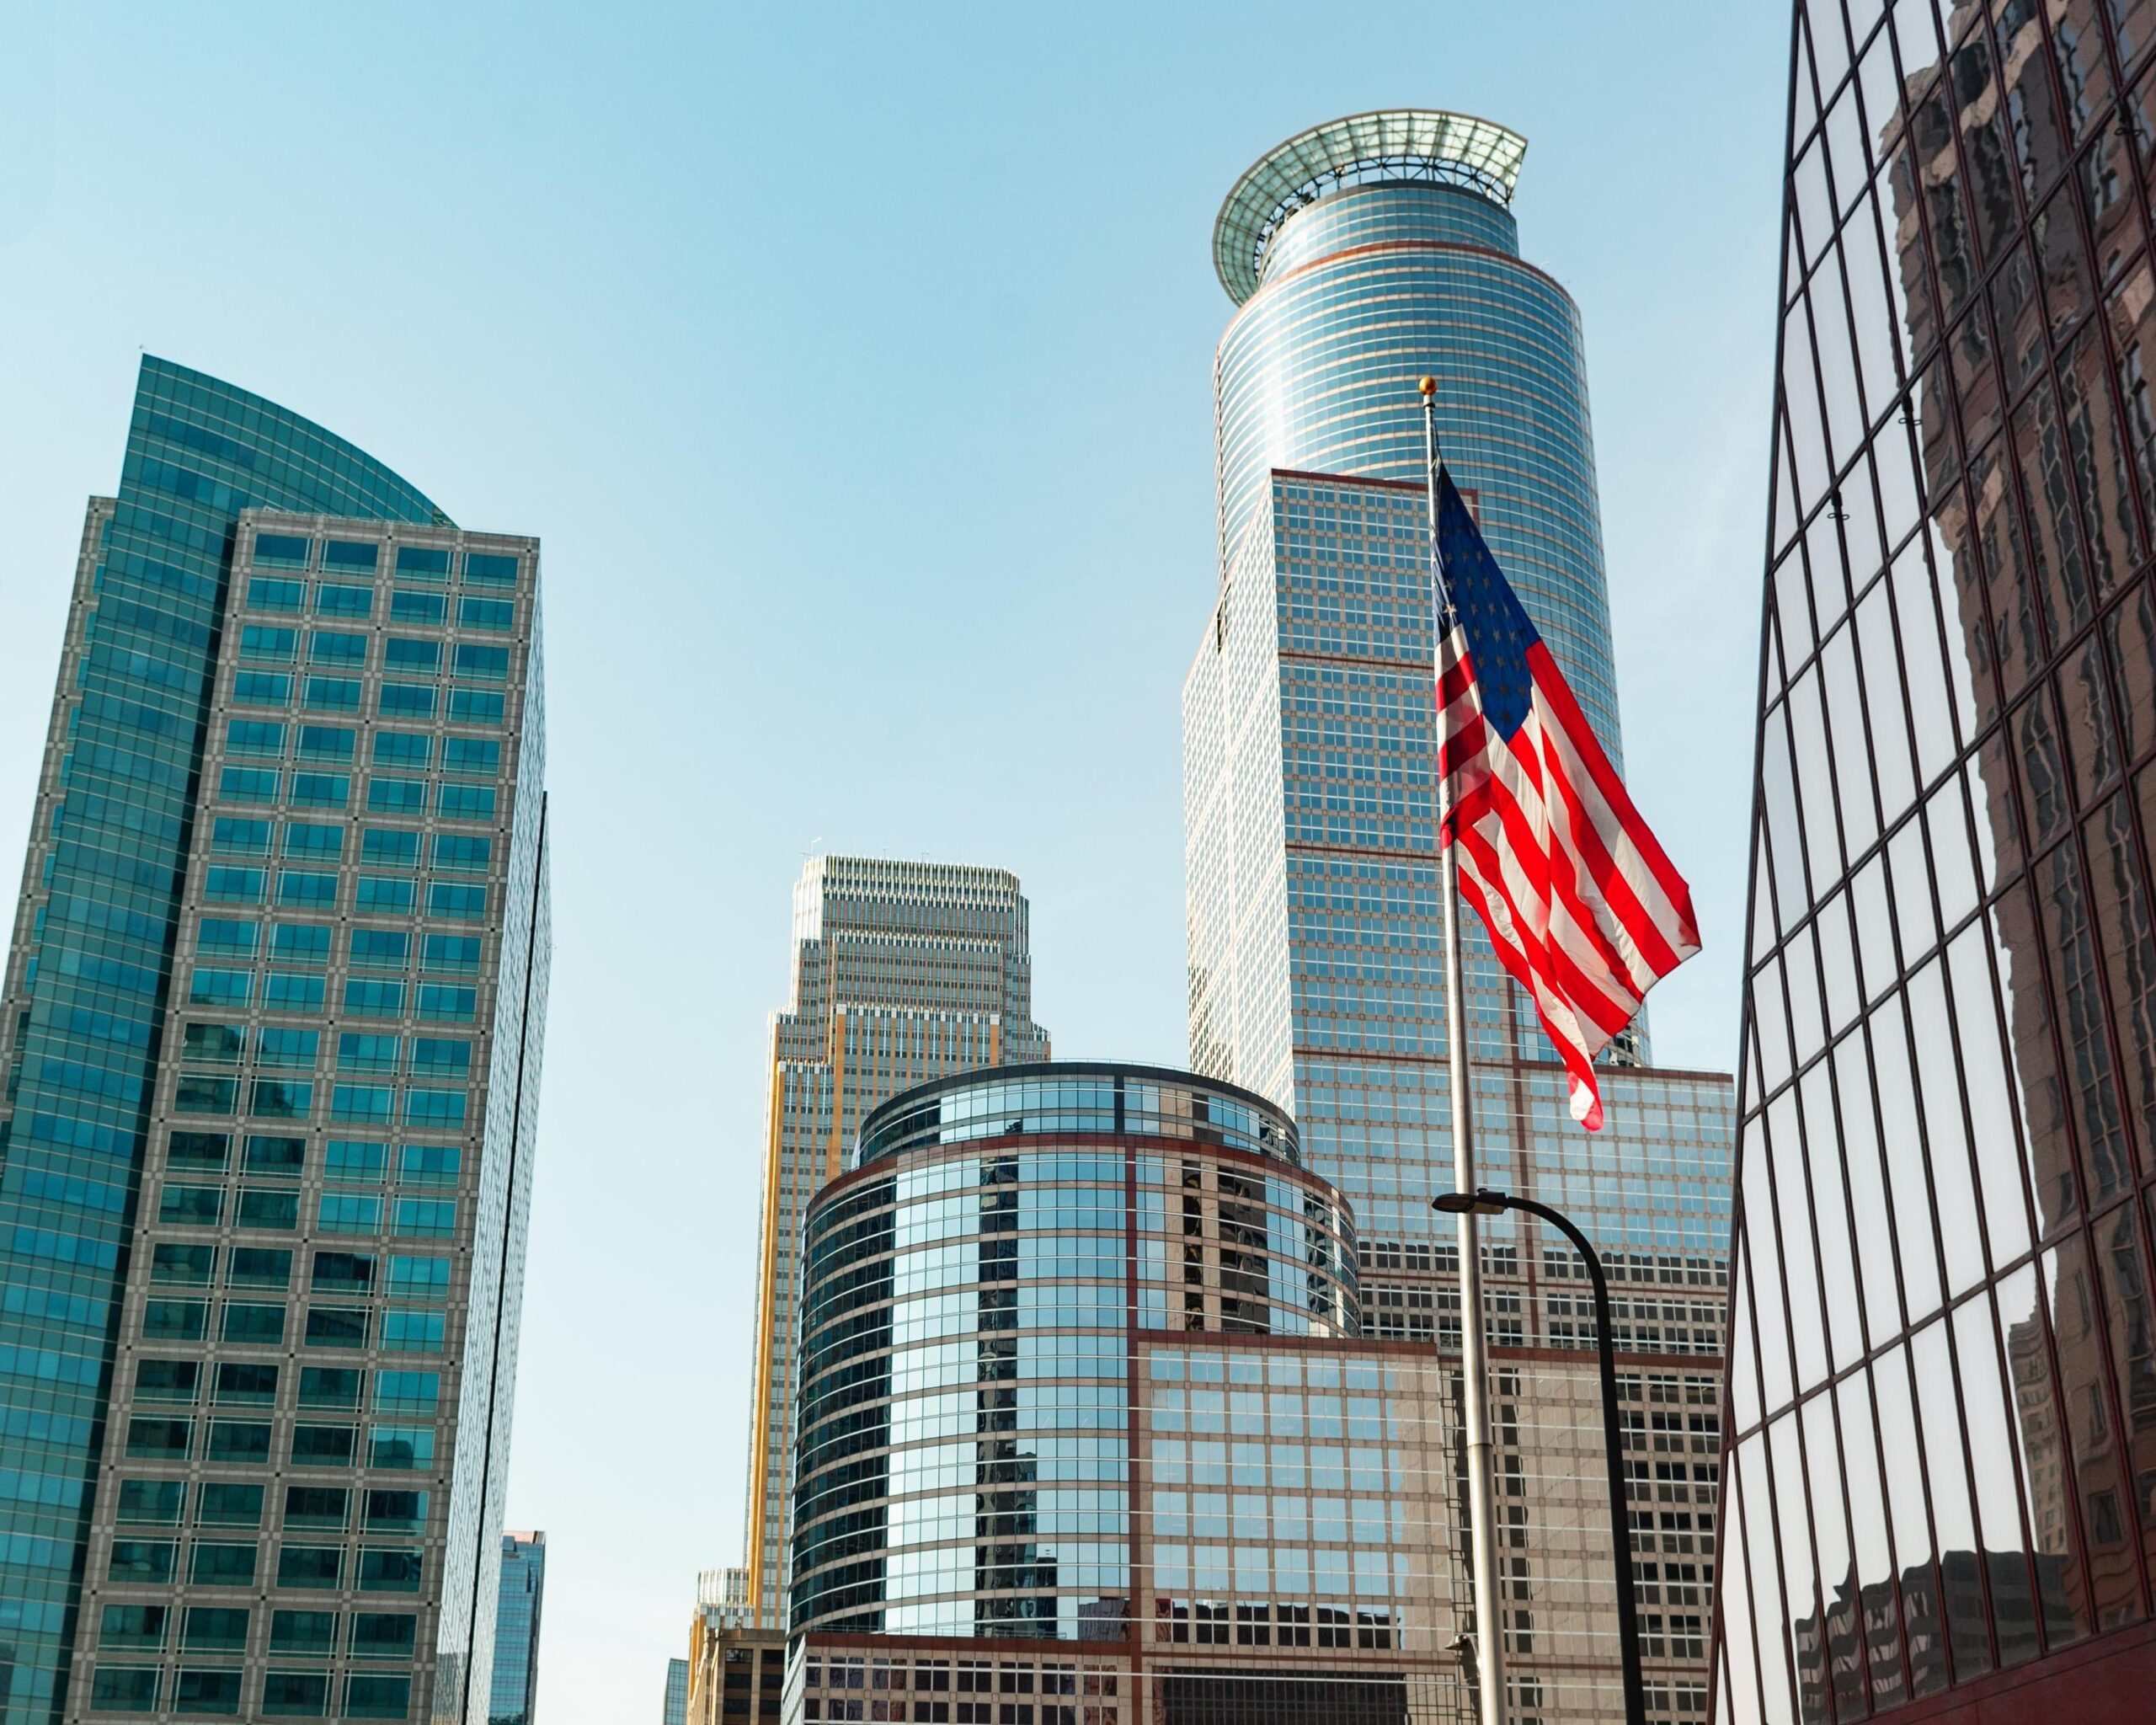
[{"x": 854, "y": 367}]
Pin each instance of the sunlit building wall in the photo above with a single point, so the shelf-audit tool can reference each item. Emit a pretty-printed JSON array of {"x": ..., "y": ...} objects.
[{"x": 902, "y": 972}]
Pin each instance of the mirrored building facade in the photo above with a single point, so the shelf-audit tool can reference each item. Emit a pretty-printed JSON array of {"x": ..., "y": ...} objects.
[
  {"x": 271, "y": 1023},
  {"x": 1940, "y": 1497},
  {"x": 1093, "y": 1426},
  {"x": 1362, "y": 255},
  {"x": 523, "y": 1595}
]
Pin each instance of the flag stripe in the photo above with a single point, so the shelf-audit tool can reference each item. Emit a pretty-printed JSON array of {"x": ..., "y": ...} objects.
[{"x": 1584, "y": 910}]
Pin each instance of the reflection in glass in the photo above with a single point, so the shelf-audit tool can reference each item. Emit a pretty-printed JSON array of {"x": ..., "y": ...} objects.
[
  {"x": 2129, "y": 944},
  {"x": 1868, "y": 1201},
  {"x": 1946, "y": 1138},
  {"x": 1773, "y": 1640},
  {"x": 2067, "y": 937},
  {"x": 2129, "y": 1317},
  {"x": 1920, "y": 1601},
  {"x": 1907, "y": 1181},
  {"x": 1962, "y": 1580},
  {"x": 2084, "y": 1387},
  {"x": 1837, "y": 1268},
  {"x": 1807, "y": 1336},
  {"x": 2003, "y": 1545},
  {"x": 2052, "y": 1174},
  {"x": 1873, "y": 1556},
  {"x": 1792, "y": 1510},
  {"x": 1990, "y": 1106},
  {"x": 1843, "y": 1648},
  {"x": 2036, "y": 1437}
]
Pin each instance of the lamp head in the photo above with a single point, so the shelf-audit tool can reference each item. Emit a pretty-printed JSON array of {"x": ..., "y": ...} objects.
[{"x": 1483, "y": 1202}]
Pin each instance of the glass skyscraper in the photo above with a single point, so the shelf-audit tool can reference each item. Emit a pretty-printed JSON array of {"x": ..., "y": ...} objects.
[
  {"x": 515, "y": 1699},
  {"x": 1942, "y": 1484},
  {"x": 271, "y": 1030},
  {"x": 1361, "y": 255},
  {"x": 902, "y": 972},
  {"x": 1090, "y": 1413}
]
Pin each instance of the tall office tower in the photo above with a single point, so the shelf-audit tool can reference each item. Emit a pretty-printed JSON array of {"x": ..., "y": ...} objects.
[
  {"x": 515, "y": 1693},
  {"x": 271, "y": 1025},
  {"x": 1363, "y": 254},
  {"x": 675, "y": 1710},
  {"x": 902, "y": 972},
  {"x": 1942, "y": 1407}
]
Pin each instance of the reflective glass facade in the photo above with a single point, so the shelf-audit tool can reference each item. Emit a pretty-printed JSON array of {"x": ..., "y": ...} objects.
[
  {"x": 1092, "y": 1422},
  {"x": 272, "y": 1026},
  {"x": 964, "y": 1455},
  {"x": 523, "y": 1592},
  {"x": 1942, "y": 1489},
  {"x": 1315, "y": 924},
  {"x": 902, "y": 972}
]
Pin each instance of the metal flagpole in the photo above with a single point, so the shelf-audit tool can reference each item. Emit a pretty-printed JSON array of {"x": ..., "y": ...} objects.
[{"x": 1489, "y": 1627}]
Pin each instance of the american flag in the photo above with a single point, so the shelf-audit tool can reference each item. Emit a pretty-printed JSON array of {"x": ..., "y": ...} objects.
[{"x": 1581, "y": 903}]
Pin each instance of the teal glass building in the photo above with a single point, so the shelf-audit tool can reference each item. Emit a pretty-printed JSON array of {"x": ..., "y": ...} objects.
[
  {"x": 270, "y": 1026},
  {"x": 523, "y": 1594},
  {"x": 1361, "y": 255}
]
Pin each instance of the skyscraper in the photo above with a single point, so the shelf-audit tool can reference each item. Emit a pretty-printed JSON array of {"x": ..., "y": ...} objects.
[
  {"x": 675, "y": 1709},
  {"x": 1362, "y": 254},
  {"x": 1942, "y": 1396},
  {"x": 902, "y": 972},
  {"x": 271, "y": 1024},
  {"x": 515, "y": 1698}
]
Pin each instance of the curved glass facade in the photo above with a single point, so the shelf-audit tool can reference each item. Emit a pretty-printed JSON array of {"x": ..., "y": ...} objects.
[
  {"x": 1075, "y": 1097},
  {"x": 1366, "y": 289},
  {"x": 970, "y": 1318},
  {"x": 88, "y": 986}
]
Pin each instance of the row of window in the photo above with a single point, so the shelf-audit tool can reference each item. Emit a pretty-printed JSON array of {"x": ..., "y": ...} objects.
[
  {"x": 286, "y": 1045},
  {"x": 401, "y": 656},
  {"x": 285, "y": 1694},
  {"x": 371, "y": 1635},
  {"x": 226, "y": 1563},
  {"x": 257, "y": 1324},
  {"x": 268, "y": 593},
  {"x": 356, "y": 557},
  {"x": 380, "y": 846},
  {"x": 469, "y": 757},
  {"x": 247, "y": 1443},
  {"x": 432, "y": 1002},
  {"x": 400, "y": 701},
  {"x": 308, "y": 944},
  {"x": 346, "y": 1162},
  {"x": 254, "y": 1383},
  {"x": 340, "y": 1273},
  {"x": 185, "y": 1206},
  {"x": 303, "y": 889},
  {"x": 409, "y": 798}
]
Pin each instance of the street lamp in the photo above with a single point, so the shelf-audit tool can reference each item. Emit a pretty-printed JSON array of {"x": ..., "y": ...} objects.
[{"x": 1485, "y": 1202}]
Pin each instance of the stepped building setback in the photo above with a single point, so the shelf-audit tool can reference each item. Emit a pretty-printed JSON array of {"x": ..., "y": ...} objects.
[
  {"x": 1362, "y": 255},
  {"x": 902, "y": 972}
]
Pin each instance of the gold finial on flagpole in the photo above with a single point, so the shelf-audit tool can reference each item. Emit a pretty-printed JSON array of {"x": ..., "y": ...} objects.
[{"x": 1427, "y": 387}]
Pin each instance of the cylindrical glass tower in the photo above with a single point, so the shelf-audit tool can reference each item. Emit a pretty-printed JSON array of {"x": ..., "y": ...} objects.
[
  {"x": 973, "y": 1291},
  {"x": 1371, "y": 251}
]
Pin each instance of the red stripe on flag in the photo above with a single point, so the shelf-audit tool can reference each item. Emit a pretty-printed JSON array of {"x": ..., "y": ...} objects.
[{"x": 1551, "y": 681}]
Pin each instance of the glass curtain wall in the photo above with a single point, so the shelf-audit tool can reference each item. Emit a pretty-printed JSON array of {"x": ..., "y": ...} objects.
[{"x": 1942, "y": 1361}]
